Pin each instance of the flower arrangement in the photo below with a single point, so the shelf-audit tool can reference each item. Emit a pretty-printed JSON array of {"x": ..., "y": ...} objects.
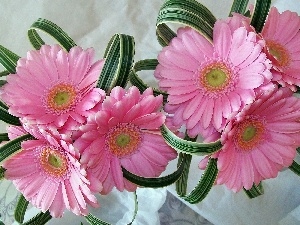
[{"x": 79, "y": 127}]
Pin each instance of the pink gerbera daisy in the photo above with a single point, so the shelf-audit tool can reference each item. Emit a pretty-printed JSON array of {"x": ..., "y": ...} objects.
[
  {"x": 125, "y": 133},
  {"x": 207, "y": 82},
  {"x": 51, "y": 177},
  {"x": 282, "y": 35},
  {"x": 260, "y": 140},
  {"x": 53, "y": 88}
]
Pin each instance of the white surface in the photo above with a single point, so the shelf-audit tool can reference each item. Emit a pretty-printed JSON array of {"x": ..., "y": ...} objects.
[{"x": 91, "y": 23}]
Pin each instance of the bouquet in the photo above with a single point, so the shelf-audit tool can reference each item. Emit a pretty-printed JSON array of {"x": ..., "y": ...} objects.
[{"x": 79, "y": 127}]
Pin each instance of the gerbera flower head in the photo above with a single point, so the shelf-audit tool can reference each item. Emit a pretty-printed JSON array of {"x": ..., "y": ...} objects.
[
  {"x": 282, "y": 33},
  {"x": 54, "y": 88},
  {"x": 259, "y": 141},
  {"x": 125, "y": 133},
  {"x": 206, "y": 82},
  {"x": 51, "y": 178}
]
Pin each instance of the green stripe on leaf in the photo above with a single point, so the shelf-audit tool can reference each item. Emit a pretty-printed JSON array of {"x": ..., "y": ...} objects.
[
  {"x": 181, "y": 183},
  {"x": 147, "y": 64},
  {"x": 51, "y": 29},
  {"x": 2, "y": 171},
  {"x": 39, "y": 219},
  {"x": 21, "y": 209},
  {"x": 205, "y": 184},
  {"x": 255, "y": 191},
  {"x": 8, "y": 59},
  {"x": 239, "y": 6},
  {"x": 8, "y": 118},
  {"x": 118, "y": 62},
  {"x": 12, "y": 146},
  {"x": 260, "y": 14},
  {"x": 189, "y": 13},
  {"x": 189, "y": 147}
]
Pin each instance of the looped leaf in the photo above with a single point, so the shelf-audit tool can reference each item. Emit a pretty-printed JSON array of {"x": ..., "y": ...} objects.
[
  {"x": 4, "y": 137},
  {"x": 4, "y": 73},
  {"x": 181, "y": 183},
  {"x": 260, "y": 14},
  {"x": 13, "y": 146},
  {"x": 205, "y": 184},
  {"x": 147, "y": 64},
  {"x": 239, "y": 6},
  {"x": 154, "y": 182},
  {"x": 189, "y": 13},
  {"x": 21, "y": 209},
  {"x": 118, "y": 62},
  {"x": 255, "y": 191},
  {"x": 189, "y": 147},
  {"x": 53, "y": 30},
  {"x": 8, "y": 118},
  {"x": 8, "y": 59},
  {"x": 2, "y": 171},
  {"x": 295, "y": 167},
  {"x": 39, "y": 219}
]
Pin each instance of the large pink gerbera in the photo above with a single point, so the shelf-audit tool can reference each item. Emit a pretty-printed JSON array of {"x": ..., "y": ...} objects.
[
  {"x": 125, "y": 133},
  {"x": 282, "y": 35},
  {"x": 54, "y": 88},
  {"x": 206, "y": 81},
  {"x": 51, "y": 178},
  {"x": 260, "y": 140}
]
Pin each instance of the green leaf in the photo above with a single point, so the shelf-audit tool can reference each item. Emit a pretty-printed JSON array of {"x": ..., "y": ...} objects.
[
  {"x": 53, "y": 30},
  {"x": 147, "y": 64},
  {"x": 255, "y": 191},
  {"x": 8, "y": 59},
  {"x": 2, "y": 171},
  {"x": 39, "y": 219},
  {"x": 189, "y": 147},
  {"x": 95, "y": 221},
  {"x": 4, "y": 73},
  {"x": 118, "y": 62},
  {"x": 8, "y": 118},
  {"x": 189, "y": 13},
  {"x": 260, "y": 14},
  {"x": 4, "y": 137},
  {"x": 295, "y": 167},
  {"x": 154, "y": 182},
  {"x": 205, "y": 183},
  {"x": 135, "y": 208},
  {"x": 239, "y": 6},
  {"x": 181, "y": 183},
  {"x": 12, "y": 146},
  {"x": 1, "y": 223},
  {"x": 21, "y": 209}
]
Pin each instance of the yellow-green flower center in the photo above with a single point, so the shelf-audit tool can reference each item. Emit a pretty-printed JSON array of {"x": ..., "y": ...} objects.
[
  {"x": 279, "y": 52},
  {"x": 61, "y": 97},
  {"x": 215, "y": 76},
  {"x": 53, "y": 162},
  {"x": 123, "y": 139},
  {"x": 249, "y": 134}
]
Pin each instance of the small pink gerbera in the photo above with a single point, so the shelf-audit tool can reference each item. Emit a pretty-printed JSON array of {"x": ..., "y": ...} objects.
[
  {"x": 282, "y": 34},
  {"x": 125, "y": 133},
  {"x": 53, "y": 88},
  {"x": 51, "y": 178},
  {"x": 207, "y": 82},
  {"x": 260, "y": 140}
]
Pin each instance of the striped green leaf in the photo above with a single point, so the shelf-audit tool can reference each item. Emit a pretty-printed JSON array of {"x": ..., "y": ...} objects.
[
  {"x": 189, "y": 13},
  {"x": 255, "y": 191},
  {"x": 39, "y": 219},
  {"x": 239, "y": 6},
  {"x": 94, "y": 220},
  {"x": 118, "y": 62},
  {"x": 189, "y": 147},
  {"x": 136, "y": 208},
  {"x": 8, "y": 118},
  {"x": 147, "y": 64},
  {"x": 2, "y": 171},
  {"x": 181, "y": 183},
  {"x": 154, "y": 182},
  {"x": 8, "y": 59},
  {"x": 12, "y": 146},
  {"x": 21, "y": 209},
  {"x": 3, "y": 137},
  {"x": 205, "y": 183},
  {"x": 4, "y": 73},
  {"x": 260, "y": 14},
  {"x": 295, "y": 167},
  {"x": 51, "y": 29}
]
